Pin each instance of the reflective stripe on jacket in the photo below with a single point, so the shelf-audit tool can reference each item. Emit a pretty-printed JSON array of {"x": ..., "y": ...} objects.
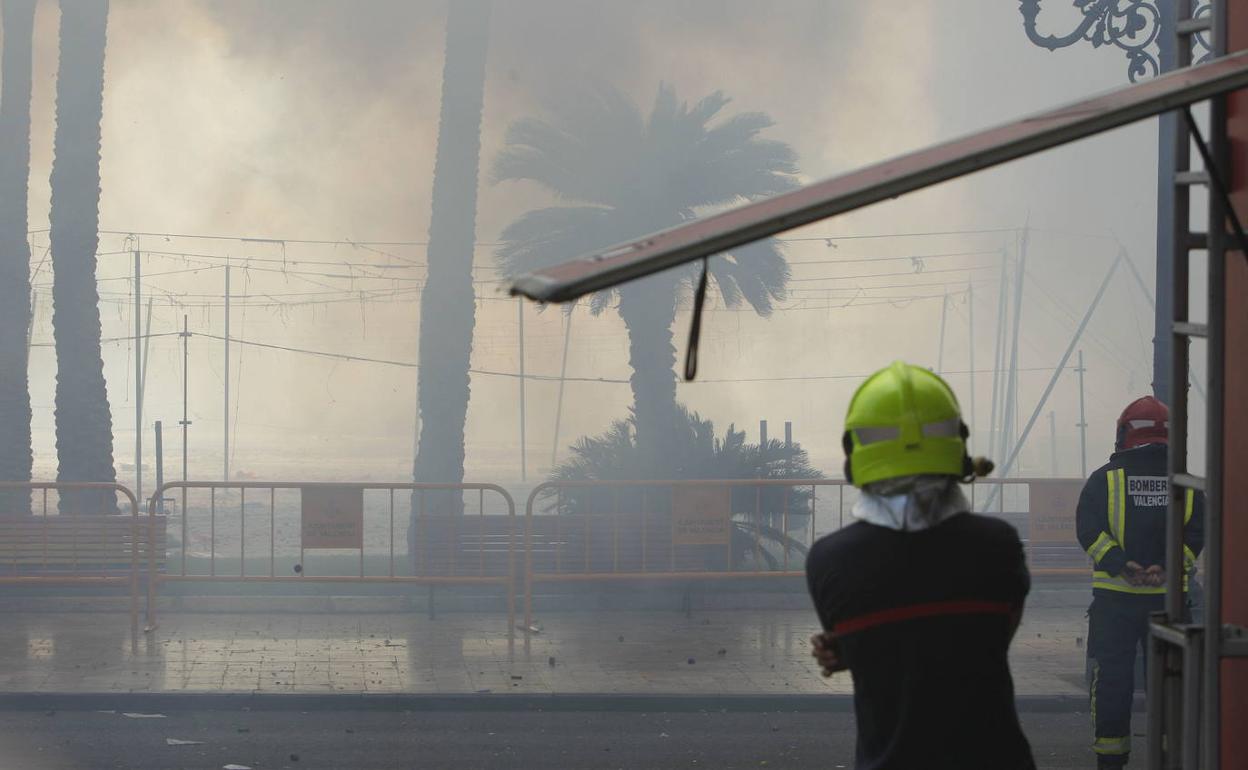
[{"x": 1122, "y": 517}]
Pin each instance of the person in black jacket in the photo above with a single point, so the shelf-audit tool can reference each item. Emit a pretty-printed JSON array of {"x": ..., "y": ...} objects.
[
  {"x": 1121, "y": 523},
  {"x": 919, "y": 598}
]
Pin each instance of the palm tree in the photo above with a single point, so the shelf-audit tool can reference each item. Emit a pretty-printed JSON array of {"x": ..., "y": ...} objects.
[
  {"x": 84, "y": 430},
  {"x": 16, "y": 458},
  {"x": 447, "y": 308},
  {"x": 758, "y": 512},
  {"x": 630, "y": 175}
]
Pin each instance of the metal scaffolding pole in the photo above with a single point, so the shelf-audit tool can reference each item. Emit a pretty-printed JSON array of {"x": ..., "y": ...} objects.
[
  {"x": 1057, "y": 372},
  {"x": 225, "y": 472},
  {"x": 138, "y": 376},
  {"x": 563, "y": 373}
]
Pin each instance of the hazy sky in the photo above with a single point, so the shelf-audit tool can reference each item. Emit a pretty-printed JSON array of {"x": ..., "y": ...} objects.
[{"x": 317, "y": 121}]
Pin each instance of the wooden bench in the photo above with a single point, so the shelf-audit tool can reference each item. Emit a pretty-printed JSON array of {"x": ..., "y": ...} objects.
[{"x": 79, "y": 546}]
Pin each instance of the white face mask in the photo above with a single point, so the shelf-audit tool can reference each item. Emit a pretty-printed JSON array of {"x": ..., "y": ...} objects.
[{"x": 910, "y": 503}]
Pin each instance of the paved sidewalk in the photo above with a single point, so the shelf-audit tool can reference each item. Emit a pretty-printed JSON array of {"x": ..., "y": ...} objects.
[{"x": 642, "y": 652}]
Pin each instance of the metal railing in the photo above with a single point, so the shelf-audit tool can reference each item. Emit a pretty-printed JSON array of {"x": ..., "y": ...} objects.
[
  {"x": 602, "y": 531},
  {"x": 670, "y": 530},
  {"x": 447, "y": 544},
  {"x": 75, "y": 546}
]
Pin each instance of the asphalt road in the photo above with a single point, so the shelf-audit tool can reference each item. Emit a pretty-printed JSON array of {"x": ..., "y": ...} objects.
[{"x": 266, "y": 740}]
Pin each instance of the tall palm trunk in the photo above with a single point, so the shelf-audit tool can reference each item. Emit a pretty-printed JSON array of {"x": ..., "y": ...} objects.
[
  {"x": 648, "y": 308},
  {"x": 448, "y": 301},
  {"x": 16, "y": 458},
  {"x": 84, "y": 433}
]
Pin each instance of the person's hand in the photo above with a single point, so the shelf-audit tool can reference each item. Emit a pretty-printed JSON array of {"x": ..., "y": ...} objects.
[
  {"x": 1155, "y": 576},
  {"x": 1135, "y": 574},
  {"x": 823, "y": 649}
]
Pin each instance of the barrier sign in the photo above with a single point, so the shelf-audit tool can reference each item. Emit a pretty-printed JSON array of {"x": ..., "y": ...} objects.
[
  {"x": 701, "y": 515},
  {"x": 333, "y": 517},
  {"x": 1051, "y": 506}
]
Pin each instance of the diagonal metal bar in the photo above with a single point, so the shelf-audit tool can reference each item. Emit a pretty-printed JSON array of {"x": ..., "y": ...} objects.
[
  {"x": 1057, "y": 373},
  {"x": 1215, "y": 180},
  {"x": 907, "y": 173}
]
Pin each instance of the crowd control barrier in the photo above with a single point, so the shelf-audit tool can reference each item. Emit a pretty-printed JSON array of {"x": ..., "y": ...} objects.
[
  {"x": 353, "y": 532},
  {"x": 73, "y": 540}
]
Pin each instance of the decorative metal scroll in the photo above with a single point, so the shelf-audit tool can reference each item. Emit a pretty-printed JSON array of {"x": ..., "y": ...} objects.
[{"x": 1133, "y": 26}]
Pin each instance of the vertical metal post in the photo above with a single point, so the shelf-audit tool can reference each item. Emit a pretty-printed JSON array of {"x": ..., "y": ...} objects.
[
  {"x": 970, "y": 309},
  {"x": 788, "y": 448},
  {"x": 1215, "y": 444},
  {"x": 524, "y": 471},
  {"x": 1011, "y": 387},
  {"x": 185, "y": 422},
  {"x": 1083, "y": 422},
  {"x": 1008, "y": 465},
  {"x": 225, "y": 473},
  {"x": 160, "y": 469},
  {"x": 762, "y": 434},
  {"x": 1155, "y": 718},
  {"x": 1193, "y": 651},
  {"x": 998, "y": 354},
  {"x": 138, "y": 375},
  {"x": 1053, "y": 444},
  {"x": 1179, "y": 259},
  {"x": 944, "y": 313},
  {"x": 563, "y": 373},
  {"x": 1167, "y": 162}
]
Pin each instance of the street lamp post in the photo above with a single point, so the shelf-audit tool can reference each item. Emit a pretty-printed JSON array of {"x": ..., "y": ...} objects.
[{"x": 1144, "y": 30}]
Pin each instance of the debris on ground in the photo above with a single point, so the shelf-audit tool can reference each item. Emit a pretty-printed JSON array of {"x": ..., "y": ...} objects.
[
  {"x": 235, "y": 767},
  {"x": 294, "y": 757},
  {"x": 722, "y": 652},
  {"x": 135, "y": 715},
  {"x": 551, "y": 661},
  {"x": 692, "y": 661},
  {"x": 180, "y": 742},
  {"x": 516, "y": 676},
  {"x": 244, "y": 729}
]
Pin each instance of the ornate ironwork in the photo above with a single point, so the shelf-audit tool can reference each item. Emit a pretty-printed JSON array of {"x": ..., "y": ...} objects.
[{"x": 1133, "y": 26}]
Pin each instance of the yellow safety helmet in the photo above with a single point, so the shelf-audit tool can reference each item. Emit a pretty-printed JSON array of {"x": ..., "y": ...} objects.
[{"x": 905, "y": 421}]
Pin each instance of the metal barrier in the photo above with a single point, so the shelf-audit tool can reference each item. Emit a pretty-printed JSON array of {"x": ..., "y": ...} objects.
[
  {"x": 77, "y": 547},
  {"x": 444, "y": 548},
  {"x": 670, "y": 530},
  {"x": 601, "y": 531},
  {"x": 1043, "y": 511}
]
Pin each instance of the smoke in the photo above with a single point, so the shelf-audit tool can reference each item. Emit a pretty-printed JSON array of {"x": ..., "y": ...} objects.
[{"x": 318, "y": 120}]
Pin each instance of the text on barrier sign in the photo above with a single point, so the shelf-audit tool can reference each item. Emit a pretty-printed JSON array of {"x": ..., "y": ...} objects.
[
  {"x": 701, "y": 515},
  {"x": 332, "y": 517}
]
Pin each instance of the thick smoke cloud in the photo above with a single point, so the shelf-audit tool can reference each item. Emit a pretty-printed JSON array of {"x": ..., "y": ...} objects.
[{"x": 318, "y": 120}]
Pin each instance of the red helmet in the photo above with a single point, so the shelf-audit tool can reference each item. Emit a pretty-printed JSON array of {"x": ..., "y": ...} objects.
[{"x": 1145, "y": 421}]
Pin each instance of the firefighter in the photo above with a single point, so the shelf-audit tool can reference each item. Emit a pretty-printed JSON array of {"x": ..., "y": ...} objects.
[
  {"x": 1121, "y": 523},
  {"x": 919, "y": 598}
]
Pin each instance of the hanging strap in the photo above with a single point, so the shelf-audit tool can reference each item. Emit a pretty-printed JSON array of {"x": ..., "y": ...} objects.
[{"x": 695, "y": 328}]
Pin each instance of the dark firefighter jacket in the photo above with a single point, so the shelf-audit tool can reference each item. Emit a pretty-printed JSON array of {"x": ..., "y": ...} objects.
[
  {"x": 924, "y": 625},
  {"x": 1122, "y": 517}
]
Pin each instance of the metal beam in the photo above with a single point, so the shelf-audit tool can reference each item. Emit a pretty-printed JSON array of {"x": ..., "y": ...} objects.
[{"x": 751, "y": 222}]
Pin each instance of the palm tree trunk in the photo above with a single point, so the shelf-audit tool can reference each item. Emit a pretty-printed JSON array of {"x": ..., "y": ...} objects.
[
  {"x": 84, "y": 432},
  {"x": 648, "y": 308},
  {"x": 16, "y": 457},
  {"x": 448, "y": 300}
]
